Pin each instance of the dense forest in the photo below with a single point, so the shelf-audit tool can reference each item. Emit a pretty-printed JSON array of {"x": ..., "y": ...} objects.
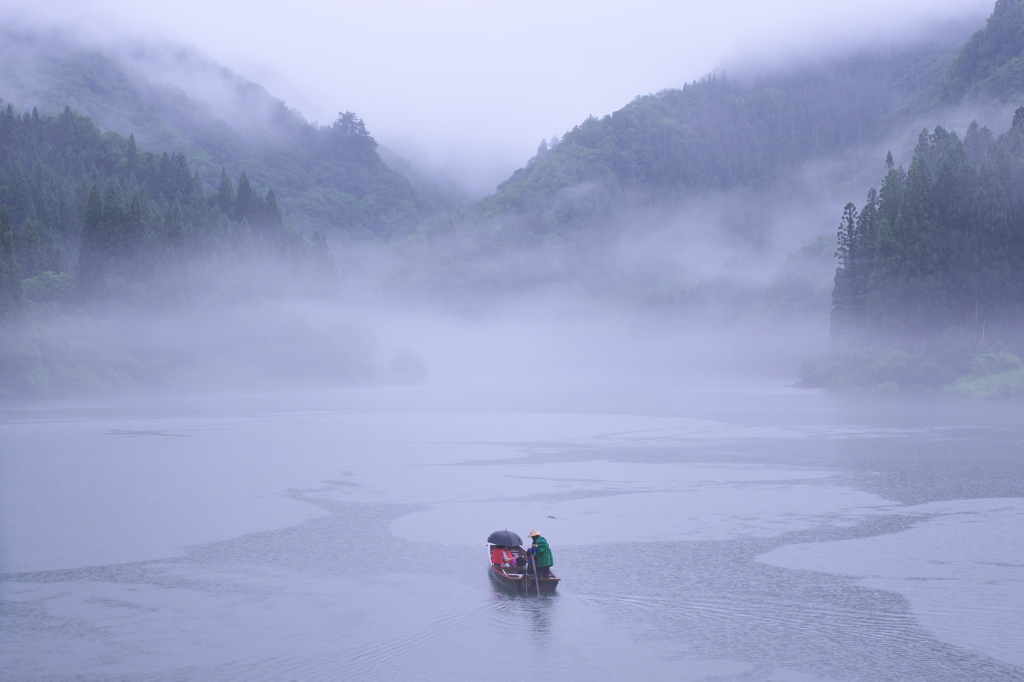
[
  {"x": 929, "y": 291},
  {"x": 930, "y": 287},
  {"x": 329, "y": 178},
  {"x": 713, "y": 166},
  {"x": 716, "y": 164},
  {"x": 990, "y": 66},
  {"x": 174, "y": 207},
  {"x": 940, "y": 245},
  {"x": 722, "y": 132},
  {"x": 93, "y": 226},
  {"x": 90, "y": 217}
]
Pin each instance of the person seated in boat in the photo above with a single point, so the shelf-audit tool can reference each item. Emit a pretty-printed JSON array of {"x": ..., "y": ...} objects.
[
  {"x": 502, "y": 556},
  {"x": 540, "y": 555}
]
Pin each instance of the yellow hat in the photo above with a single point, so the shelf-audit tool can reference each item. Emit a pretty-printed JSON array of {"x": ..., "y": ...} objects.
[{"x": 533, "y": 534}]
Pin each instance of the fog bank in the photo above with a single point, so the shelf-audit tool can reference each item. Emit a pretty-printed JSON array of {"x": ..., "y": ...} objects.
[{"x": 487, "y": 82}]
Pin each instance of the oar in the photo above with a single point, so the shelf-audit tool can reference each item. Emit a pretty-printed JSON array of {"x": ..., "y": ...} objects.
[{"x": 536, "y": 580}]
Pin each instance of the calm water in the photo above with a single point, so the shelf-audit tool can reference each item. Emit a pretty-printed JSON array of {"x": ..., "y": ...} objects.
[{"x": 730, "y": 535}]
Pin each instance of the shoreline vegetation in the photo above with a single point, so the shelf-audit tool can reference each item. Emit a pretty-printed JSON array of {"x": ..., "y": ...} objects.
[
  {"x": 939, "y": 247},
  {"x": 995, "y": 375},
  {"x": 929, "y": 292},
  {"x": 123, "y": 267}
]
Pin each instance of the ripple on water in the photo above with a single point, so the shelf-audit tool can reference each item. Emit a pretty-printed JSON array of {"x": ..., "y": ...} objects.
[{"x": 961, "y": 569}]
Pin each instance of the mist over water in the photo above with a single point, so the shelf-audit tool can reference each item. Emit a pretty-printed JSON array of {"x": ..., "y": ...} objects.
[
  {"x": 488, "y": 82},
  {"x": 699, "y": 534},
  {"x": 270, "y": 441}
]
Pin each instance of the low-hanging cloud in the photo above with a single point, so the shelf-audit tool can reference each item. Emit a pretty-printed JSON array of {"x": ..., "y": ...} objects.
[{"x": 469, "y": 88}]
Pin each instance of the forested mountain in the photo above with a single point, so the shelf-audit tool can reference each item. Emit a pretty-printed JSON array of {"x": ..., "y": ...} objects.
[
  {"x": 96, "y": 214},
  {"x": 991, "y": 63},
  {"x": 723, "y": 132},
  {"x": 930, "y": 287},
  {"x": 930, "y": 284},
  {"x": 95, "y": 231},
  {"x": 700, "y": 181},
  {"x": 328, "y": 178},
  {"x": 671, "y": 206},
  {"x": 939, "y": 246}
]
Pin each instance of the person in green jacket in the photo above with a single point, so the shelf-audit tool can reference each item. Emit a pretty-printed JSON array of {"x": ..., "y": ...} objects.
[{"x": 541, "y": 554}]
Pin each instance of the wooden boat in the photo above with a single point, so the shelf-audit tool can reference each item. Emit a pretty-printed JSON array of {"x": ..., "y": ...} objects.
[{"x": 517, "y": 578}]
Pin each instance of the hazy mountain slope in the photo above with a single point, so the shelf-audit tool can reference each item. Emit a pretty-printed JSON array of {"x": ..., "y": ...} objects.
[
  {"x": 930, "y": 286},
  {"x": 117, "y": 223},
  {"x": 991, "y": 63},
  {"x": 177, "y": 101},
  {"x": 692, "y": 198},
  {"x": 929, "y": 292},
  {"x": 722, "y": 133},
  {"x": 117, "y": 268}
]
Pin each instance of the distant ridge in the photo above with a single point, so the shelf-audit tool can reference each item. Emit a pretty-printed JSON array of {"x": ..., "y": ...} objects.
[
  {"x": 724, "y": 132},
  {"x": 991, "y": 64},
  {"x": 222, "y": 122}
]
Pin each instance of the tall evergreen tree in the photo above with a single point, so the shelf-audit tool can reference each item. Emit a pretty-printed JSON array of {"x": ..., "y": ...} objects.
[
  {"x": 132, "y": 157},
  {"x": 92, "y": 260},
  {"x": 226, "y": 194},
  {"x": 112, "y": 225},
  {"x": 940, "y": 246},
  {"x": 133, "y": 235},
  {"x": 10, "y": 280},
  {"x": 245, "y": 199},
  {"x": 844, "y": 295}
]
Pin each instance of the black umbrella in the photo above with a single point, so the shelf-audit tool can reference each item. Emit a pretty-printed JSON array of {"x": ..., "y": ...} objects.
[{"x": 505, "y": 538}]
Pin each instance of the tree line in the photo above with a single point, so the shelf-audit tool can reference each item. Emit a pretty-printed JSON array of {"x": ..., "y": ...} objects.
[
  {"x": 719, "y": 133},
  {"x": 328, "y": 178},
  {"x": 991, "y": 63},
  {"x": 88, "y": 217},
  {"x": 939, "y": 247}
]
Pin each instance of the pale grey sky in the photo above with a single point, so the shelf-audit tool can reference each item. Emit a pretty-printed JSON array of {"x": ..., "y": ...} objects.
[{"x": 475, "y": 85}]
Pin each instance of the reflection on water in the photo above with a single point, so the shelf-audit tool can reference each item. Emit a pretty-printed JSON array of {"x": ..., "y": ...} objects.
[
  {"x": 526, "y": 612},
  {"x": 320, "y": 545}
]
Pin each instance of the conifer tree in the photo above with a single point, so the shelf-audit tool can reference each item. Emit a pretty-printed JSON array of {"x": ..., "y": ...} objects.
[
  {"x": 273, "y": 212},
  {"x": 244, "y": 199},
  {"x": 91, "y": 252},
  {"x": 226, "y": 194},
  {"x": 31, "y": 247},
  {"x": 132, "y": 157},
  {"x": 542, "y": 150},
  {"x": 941, "y": 245},
  {"x": 134, "y": 234},
  {"x": 843, "y": 295},
  {"x": 10, "y": 281},
  {"x": 174, "y": 230},
  {"x": 112, "y": 224}
]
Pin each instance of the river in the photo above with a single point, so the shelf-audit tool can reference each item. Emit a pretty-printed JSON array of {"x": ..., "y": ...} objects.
[{"x": 749, "y": 533}]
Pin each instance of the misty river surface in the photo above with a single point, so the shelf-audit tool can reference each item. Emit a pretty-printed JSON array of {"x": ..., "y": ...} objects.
[{"x": 745, "y": 534}]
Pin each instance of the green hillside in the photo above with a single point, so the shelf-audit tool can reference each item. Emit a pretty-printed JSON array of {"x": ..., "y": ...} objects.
[
  {"x": 930, "y": 290},
  {"x": 120, "y": 222},
  {"x": 930, "y": 284},
  {"x": 991, "y": 64},
  {"x": 721, "y": 133},
  {"x": 324, "y": 181},
  {"x": 737, "y": 147},
  {"x": 940, "y": 245},
  {"x": 94, "y": 230},
  {"x": 91, "y": 221}
]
